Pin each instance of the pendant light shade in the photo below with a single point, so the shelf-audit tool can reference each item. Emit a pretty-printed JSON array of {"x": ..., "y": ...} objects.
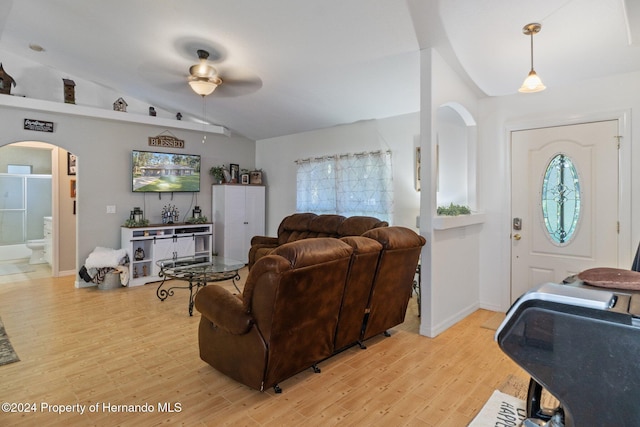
[
  {"x": 203, "y": 86},
  {"x": 532, "y": 83}
]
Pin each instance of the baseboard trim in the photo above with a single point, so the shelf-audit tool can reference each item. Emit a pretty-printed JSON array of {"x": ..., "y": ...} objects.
[{"x": 449, "y": 322}]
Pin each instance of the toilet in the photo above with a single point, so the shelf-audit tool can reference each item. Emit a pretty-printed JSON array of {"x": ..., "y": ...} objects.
[{"x": 37, "y": 251}]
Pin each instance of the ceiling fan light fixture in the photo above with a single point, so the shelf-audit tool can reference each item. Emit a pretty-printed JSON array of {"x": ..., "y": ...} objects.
[
  {"x": 532, "y": 83},
  {"x": 204, "y": 86},
  {"x": 203, "y": 77},
  {"x": 202, "y": 70}
]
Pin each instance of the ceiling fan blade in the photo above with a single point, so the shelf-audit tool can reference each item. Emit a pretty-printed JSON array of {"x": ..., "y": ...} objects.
[{"x": 237, "y": 84}]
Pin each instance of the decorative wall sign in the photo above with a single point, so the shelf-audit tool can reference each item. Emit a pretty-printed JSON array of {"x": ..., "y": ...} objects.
[
  {"x": 166, "y": 141},
  {"x": 38, "y": 125}
]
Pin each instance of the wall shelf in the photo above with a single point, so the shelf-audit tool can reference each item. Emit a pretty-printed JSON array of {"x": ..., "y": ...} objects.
[
  {"x": 442, "y": 222},
  {"x": 100, "y": 113}
]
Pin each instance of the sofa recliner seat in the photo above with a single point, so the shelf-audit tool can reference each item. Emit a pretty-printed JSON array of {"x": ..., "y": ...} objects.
[{"x": 286, "y": 318}]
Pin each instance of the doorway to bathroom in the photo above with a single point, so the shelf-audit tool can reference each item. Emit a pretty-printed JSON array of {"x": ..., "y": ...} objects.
[{"x": 37, "y": 211}]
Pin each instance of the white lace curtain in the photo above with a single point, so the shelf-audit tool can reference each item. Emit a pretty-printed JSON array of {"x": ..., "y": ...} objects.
[{"x": 346, "y": 184}]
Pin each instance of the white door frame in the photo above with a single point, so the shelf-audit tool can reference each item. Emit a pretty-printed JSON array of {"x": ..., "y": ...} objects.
[{"x": 626, "y": 248}]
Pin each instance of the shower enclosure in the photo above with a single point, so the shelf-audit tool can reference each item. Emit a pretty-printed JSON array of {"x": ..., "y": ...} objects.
[{"x": 25, "y": 199}]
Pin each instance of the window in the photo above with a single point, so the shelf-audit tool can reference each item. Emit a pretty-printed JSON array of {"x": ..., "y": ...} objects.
[
  {"x": 561, "y": 199},
  {"x": 347, "y": 184}
]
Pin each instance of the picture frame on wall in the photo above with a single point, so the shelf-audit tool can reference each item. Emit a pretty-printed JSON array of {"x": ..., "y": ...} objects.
[
  {"x": 72, "y": 188},
  {"x": 71, "y": 163},
  {"x": 235, "y": 172}
]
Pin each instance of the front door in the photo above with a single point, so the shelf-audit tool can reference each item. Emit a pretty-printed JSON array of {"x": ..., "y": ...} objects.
[{"x": 564, "y": 202}]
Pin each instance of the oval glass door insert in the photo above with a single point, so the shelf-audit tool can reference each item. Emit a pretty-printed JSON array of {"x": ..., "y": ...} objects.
[{"x": 561, "y": 199}]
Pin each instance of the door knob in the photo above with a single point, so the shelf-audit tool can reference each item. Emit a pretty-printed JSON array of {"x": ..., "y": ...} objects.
[{"x": 517, "y": 237}]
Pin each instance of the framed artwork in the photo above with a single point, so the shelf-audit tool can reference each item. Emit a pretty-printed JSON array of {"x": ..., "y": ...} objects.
[
  {"x": 255, "y": 177},
  {"x": 245, "y": 178},
  {"x": 235, "y": 172},
  {"x": 71, "y": 163},
  {"x": 72, "y": 188}
]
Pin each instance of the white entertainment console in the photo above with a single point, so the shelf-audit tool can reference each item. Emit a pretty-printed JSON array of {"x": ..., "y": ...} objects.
[{"x": 163, "y": 241}]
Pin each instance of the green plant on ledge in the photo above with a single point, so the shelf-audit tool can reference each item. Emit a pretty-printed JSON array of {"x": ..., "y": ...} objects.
[
  {"x": 133, "y": 223},
  {"x": 453, "y": 210},
  {"x": 200, "y": 220}
]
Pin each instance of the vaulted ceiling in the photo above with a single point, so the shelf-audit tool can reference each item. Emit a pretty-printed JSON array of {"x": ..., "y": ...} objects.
[{"x": 290, "y": 66}]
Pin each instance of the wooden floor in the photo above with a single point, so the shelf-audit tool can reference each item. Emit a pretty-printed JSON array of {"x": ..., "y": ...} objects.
[{"x": 119, "y": 348}]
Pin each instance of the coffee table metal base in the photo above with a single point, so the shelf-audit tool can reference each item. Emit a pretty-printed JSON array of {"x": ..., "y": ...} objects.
[
  {"x": 197, "y": 274},
  {"x": 194, "y": 285}
]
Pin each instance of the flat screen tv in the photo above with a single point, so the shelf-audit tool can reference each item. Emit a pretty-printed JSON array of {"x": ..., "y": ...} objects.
[{"x": 165, "y": 172}]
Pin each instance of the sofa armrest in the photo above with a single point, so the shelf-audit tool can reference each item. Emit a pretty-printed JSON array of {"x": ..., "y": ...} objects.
[
  {"x": 264, "y": 240},
  {"x": 223, "y": 309}
]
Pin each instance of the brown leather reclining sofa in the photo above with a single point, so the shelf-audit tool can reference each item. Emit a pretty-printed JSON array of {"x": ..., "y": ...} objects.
[
  {"x": 308, "y": 225},
  {"x": 306, "y": 301}
]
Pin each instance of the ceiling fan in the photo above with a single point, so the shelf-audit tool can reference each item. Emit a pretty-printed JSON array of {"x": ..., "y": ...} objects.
[{"x": 203, "y": 78}]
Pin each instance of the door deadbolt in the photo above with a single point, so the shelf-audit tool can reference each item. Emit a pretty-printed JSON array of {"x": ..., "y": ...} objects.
[{"x": 517, "y": 224}]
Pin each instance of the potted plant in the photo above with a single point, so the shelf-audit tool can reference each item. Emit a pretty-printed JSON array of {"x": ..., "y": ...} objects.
[
  {"x": 217, "y": 172},
  {"x": 453, "y": 210}
]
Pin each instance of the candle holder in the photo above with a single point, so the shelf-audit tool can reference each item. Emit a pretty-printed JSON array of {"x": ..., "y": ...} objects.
[
  {"x": 136, "y": 218},
  {"x": 170, "y": 214}
]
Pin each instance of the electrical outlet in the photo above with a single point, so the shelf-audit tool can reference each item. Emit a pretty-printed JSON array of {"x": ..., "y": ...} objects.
[{"x": 111, "y": 209}]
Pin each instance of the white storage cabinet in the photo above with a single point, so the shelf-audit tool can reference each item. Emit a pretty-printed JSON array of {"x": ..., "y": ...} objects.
[{"x": 238, "y": 214}]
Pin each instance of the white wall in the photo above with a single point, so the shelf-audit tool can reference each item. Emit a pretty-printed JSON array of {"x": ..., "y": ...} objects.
[
  {"x": 103, "y": 147},
  {"x": 599, "y": 99},
  {"x": 450, "y": 259},
  {"x": 276, "y": 156},
  {"x": 103, "y": 177}
]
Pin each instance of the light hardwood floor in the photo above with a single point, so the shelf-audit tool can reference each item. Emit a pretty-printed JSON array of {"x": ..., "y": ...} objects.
[{"x": 125, "y": 347}]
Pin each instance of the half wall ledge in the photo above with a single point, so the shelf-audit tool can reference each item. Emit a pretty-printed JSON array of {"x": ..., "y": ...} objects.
[{"x": 442, "y": 222}]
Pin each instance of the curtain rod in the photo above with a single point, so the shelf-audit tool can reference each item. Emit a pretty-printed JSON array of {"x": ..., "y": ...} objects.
[{"x": 336, "y": 156}]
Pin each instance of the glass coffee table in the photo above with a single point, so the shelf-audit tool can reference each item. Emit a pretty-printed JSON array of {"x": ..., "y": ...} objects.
[{"x": 197, "y": 271}]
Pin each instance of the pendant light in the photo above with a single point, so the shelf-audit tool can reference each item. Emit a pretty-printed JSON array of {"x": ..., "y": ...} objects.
[{"x": 532, "y": 83}]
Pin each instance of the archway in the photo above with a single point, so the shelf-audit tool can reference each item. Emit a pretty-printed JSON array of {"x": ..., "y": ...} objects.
[
  {"x": 455, "y": 156},
  {"x": 38, "y": 161}
]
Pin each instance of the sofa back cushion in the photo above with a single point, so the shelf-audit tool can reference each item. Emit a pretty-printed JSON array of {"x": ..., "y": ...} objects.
[
  {"x": 308, "y": 225},
  {"x": 294, "y": 227},
  {"x": 325, "y": 225},
  {"x": 358, "y": 225},
  {"x": 357, "y": 290},
  {"x": 296, "y": 304},
  {"x": 392, "y": 286}
]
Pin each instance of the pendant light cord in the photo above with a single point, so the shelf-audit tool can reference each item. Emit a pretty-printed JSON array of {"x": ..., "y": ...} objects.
[
  {"x": 532, "y": 51},
  {"x": 204, "y": 117}
]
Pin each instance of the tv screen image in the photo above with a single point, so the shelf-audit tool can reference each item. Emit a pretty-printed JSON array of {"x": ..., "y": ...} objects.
[{"x": 165, "y": 172}]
